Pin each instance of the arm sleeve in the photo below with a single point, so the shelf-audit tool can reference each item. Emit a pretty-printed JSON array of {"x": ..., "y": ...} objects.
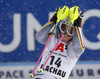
[
  {"x": 77, "y": 47},
  {"x": 41, "y": 35},
  {"x": 77, "y": 43}
]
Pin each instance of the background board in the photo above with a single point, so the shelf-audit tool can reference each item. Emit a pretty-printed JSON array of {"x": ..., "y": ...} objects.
[{"x": 21, "y": 19}]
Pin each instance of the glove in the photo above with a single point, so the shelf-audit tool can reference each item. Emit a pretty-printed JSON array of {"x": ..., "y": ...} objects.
[
  {"x": 81, "y": 14},
  {"x": 78, "y": 21},
  {"x": 54, "y": 18},
  {"x": 57, "y": 9}
]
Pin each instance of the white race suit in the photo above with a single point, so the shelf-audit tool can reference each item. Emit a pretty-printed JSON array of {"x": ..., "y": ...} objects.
[{"x": 64, "y": 57}]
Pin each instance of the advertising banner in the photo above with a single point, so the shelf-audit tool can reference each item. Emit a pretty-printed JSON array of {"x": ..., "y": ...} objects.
[{"x": 82, "y": 70}]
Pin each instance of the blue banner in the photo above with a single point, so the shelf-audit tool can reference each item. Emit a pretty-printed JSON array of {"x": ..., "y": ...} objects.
[{"x": 21, "y": 19}]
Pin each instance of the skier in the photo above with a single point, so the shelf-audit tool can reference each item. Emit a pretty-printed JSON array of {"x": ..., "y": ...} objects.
[{"x": 68, "y": 51}]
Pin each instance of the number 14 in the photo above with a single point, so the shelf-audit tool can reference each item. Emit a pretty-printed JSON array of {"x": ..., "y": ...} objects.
[{"x": 57, "y": 62}]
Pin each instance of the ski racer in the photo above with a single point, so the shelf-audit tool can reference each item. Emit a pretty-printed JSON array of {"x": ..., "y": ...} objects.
[{"x": 67, "y": 52}]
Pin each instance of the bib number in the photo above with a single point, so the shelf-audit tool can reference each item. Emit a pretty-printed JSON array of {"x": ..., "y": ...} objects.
[{"x": 57, "y": 62}]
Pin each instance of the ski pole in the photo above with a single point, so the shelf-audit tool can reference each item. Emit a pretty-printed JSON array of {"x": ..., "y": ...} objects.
[
  {"x": 32, "y": 74},
  {"x": 41, "y": 70},
  {"x": 75, "y": 14},
  {"x": 62, "y": 14}
]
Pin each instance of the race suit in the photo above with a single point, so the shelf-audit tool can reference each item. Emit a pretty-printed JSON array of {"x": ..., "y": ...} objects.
[{"x": 64, "y": 57}]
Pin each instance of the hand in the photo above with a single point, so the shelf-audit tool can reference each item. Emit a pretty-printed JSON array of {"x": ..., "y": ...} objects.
[
  {"x": 78, "y": 21},
  {"x": 54, "y": 17},
  {"x": 81, "y": 14},
  {"x": 57, "y": 9}
]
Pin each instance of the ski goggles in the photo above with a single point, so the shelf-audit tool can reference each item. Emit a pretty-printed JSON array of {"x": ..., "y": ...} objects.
[{"x": 70, "y": 30}]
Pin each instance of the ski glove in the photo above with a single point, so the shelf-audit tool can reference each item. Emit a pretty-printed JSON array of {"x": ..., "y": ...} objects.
[
  {"x": 78, "y": 21},
  {"x": 57, "y": 9},
  {"x": 54, "y": 18}
]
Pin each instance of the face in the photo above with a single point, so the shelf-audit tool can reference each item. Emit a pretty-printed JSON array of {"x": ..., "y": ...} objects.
[
  {"x": 66, "y": 37},
  {"x": 69, "y": 33}
]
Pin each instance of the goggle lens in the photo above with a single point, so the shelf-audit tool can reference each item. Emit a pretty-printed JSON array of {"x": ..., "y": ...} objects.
[{"x": 70, "y": 30}]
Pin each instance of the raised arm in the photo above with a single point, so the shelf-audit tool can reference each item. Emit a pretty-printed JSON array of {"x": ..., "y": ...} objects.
[
  {"x": 41, "y": 35},
  {"x": 78, "y": 45}
]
